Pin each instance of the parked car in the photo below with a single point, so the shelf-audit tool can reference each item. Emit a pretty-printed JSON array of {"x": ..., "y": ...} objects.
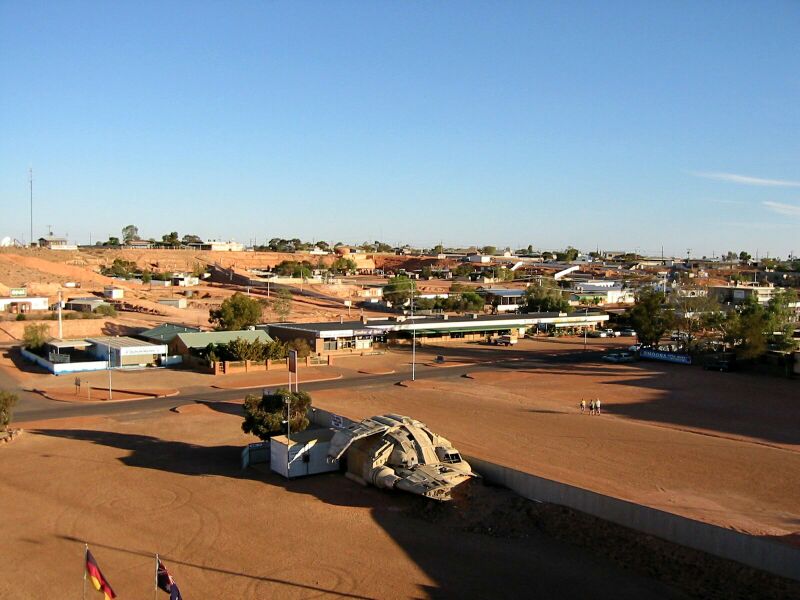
[
  {"x": 504, "y": 340},
  {"x": 597, "y": 334},
  {"x": 612, "y": 333},
  {"x": 620, "y": 357},
  {"x": 678, "y": 336},
  {"x": 628, "y": 332}
]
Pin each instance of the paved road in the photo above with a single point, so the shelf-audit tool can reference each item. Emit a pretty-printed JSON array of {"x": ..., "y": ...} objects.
[{"x": 34, "y": 407}]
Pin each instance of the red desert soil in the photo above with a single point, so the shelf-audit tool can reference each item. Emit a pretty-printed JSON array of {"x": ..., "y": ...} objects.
[
  {"x": 171, "y": 483},
  {"x": 717, "y": 447}
]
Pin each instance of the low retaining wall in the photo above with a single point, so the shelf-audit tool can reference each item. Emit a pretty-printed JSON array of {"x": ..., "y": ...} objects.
[
  {"x": 62, "y": 368},
  {"x": 774, "y": 557}
]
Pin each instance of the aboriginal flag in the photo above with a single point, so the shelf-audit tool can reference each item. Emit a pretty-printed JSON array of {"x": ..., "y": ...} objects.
[
  {"x": 167, "y": 583},
  {"x": 99, "y": 582}
]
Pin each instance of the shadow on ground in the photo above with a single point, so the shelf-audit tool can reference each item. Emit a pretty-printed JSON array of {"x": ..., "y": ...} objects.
[{"x": 462, "y": 564}]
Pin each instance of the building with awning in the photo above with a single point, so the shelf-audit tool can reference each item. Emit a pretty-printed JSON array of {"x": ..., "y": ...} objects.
[
  {"x": 351, "y": 336},
  {"x": 123, "y": 351}
]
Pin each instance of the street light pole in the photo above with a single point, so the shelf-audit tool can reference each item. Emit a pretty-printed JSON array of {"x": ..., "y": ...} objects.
[
  {"x": 585, "y": 328},
  {"x": 108, "y": 345},
  {"x": 413, "y": 337}
]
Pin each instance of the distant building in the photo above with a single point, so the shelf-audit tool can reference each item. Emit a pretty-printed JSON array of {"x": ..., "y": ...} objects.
[
  {"x": 52, "y": 242},
  {"x": 217, "y": 246},
  {"x": 114, "y": 293},
  {"x": 504, "y": 300},
  {"x": 166, "y": 332},
  {"x": 185, "y": 343},
  {"x": 740, "y": 293},
  {"x": 89, "y": 304},
  {"x": 139, "y": 244},
  {"x": 125, "y": 351},
  {"x": 23, "y": 304}
]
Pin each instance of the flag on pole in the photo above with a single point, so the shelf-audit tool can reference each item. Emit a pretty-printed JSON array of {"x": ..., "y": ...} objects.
[
  {"x": 99, "y": 582},
  {"x": 165, "y": 582}
]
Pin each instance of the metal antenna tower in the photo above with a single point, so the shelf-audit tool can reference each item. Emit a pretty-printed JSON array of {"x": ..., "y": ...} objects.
[{"x": 30, "y": 181}]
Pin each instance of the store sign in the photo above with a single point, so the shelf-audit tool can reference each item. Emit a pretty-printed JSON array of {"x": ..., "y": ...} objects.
[
  {"x": 682, "y": 359},
  {"x": 18, "y": 292},
  {"x": 293, "y": 361}
]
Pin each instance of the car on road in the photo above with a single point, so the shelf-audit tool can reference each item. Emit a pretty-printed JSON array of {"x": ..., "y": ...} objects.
[
  {"x": 597, "y": 333},
  {"x": 627, "y": 332},
  {"x": 612, "y": 333},
  {"x": 504, "y": 340},
  {"x": 620, "y": 357}
]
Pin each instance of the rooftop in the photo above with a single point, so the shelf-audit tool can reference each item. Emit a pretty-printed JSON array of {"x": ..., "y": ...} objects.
[
  {"x": 118, "y": 342},
  {"x": 204, "y": 338}
]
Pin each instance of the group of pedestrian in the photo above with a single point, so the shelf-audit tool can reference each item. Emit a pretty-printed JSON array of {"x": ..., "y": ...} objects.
[{"x": 594, "y": 406}]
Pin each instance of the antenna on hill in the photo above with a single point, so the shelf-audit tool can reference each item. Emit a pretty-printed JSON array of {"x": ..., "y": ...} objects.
[{"x": 30, "y": 181}]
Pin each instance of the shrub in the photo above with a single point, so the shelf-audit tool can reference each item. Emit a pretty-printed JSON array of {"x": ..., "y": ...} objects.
[
  {"x": 35, "y": 336},
  {"x": 265, "y": 416},
  {"x": 21, "y": 317},
  {"x": 7, "y": 402}
]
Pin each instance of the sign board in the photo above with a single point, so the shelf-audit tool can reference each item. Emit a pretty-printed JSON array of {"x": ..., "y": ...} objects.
[
  {"x": 337, "y": 421},
  {"x": 18, "y": 292},
  {"x": 682, "y": 359},
  {"x": 348, "y": 303},
  {"x": 293, "y": 361},
  {"x": 55, "y": 357}
]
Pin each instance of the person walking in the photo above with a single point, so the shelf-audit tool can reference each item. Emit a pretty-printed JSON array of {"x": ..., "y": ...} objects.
[
  {"x": 597, "y": 405},
  {"x": 591, "y": 407},
  {"x": 583, "y": 405}
]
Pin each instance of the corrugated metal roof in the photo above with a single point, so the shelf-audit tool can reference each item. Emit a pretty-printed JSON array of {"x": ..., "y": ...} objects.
[
  {"x": 204, "y": 338},
  {"x": 167, "y": 331},
  {"x": 118, "y": 342}
]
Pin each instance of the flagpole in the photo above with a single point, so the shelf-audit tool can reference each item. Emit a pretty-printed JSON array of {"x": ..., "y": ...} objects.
[
  {"x": 155, "y": 590},
  {"x": 85, "y": 556}
]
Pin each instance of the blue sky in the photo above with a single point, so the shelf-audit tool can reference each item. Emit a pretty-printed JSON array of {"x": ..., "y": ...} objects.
[{"x": 619, "y": 125}]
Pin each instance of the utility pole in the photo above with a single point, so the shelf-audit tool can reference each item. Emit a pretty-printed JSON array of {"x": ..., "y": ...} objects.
[
  {"x": 108, "y": 345},
  {"x": 60, "y": 332},
  {"x": 30, "y": 180}
]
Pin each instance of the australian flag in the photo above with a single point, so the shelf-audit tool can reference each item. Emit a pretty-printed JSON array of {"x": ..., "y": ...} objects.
[{"x": 167, "y": 583}]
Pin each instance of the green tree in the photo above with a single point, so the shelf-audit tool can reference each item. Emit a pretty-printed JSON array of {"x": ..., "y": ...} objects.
[
  {"x": 106, "y": 310},
  {"x": 343, "y": 265},
  {"x": 282, "y": 304},
  {"x": 147, "y": 277},
  {"x": 266, "y": 416},
  {"x": 236, "y": 313},
  {"x": 650, "y": 317},
  {"x": 190, "y": 238},
  {"x": 171, "y": 239},
  {"x": 7, "y": 402},
  {"x": 112, "y": 241},
  {"x": 438, "y": 249},
  {"x": 744, "y": 256},
  {"x": 546, "y": 297},
  {"x": 399, "y": 289},
  {"x": 35, "y": 336},
  {"x": 490, "y": 250},
  {"x": 129, "y": 233}
]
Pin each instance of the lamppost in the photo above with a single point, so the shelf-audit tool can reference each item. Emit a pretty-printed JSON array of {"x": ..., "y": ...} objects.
[
  {"x": 585, "y": 327},
  {"x": 413, "y": 336},
  {"x": 108, "y": 345}
]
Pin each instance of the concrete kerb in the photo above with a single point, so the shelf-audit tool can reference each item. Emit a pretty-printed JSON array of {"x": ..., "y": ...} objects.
[
  {"x": 275, "y": 384},
  {"x": 142, "y": 395}
]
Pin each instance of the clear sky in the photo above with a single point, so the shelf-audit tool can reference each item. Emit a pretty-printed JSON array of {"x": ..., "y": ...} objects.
[{"x": 623, "y": 125}]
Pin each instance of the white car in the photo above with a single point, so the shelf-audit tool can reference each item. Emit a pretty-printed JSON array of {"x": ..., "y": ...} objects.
[{"x": 619, "y": 357}]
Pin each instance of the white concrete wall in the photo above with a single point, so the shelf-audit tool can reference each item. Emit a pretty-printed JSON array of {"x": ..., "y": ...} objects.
[{"x": 774, "y": 557}]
